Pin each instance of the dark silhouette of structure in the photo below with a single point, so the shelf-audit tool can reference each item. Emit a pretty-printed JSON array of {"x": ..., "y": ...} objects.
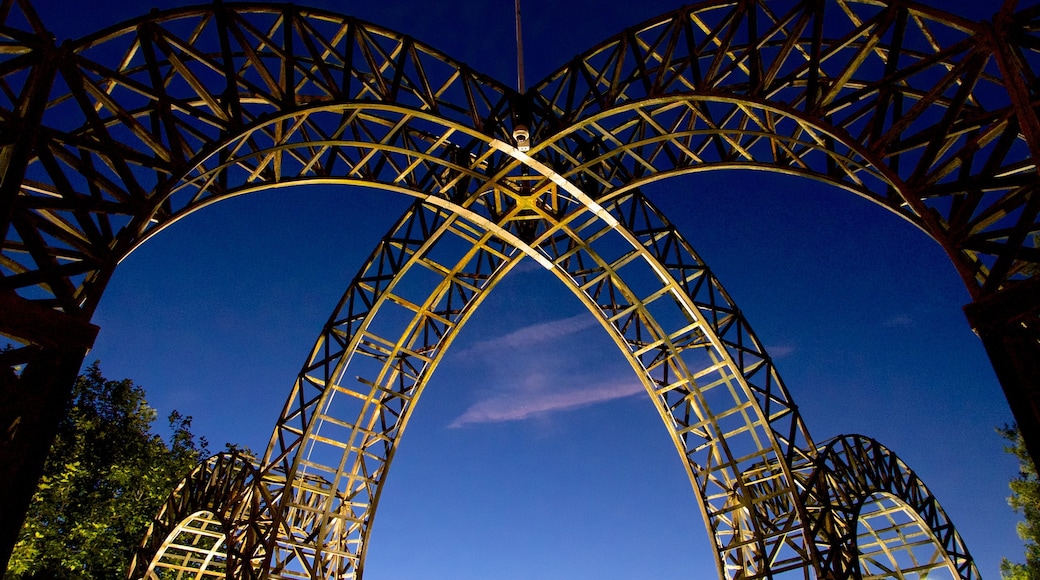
[{"x": 111, "y": 138}]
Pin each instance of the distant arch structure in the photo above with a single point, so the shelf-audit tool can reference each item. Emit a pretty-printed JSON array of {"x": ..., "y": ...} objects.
[
  {"x": 109, "y": 139},
  {"x": 211, "y": 526}
]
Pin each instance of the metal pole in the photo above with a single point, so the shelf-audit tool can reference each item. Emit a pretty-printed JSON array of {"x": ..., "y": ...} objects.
[{"x": 520, "y": 86}]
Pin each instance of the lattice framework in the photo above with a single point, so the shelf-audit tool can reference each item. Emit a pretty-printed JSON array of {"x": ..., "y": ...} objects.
[
  {"x": 215, "y": 522},
  {"x": 922, "y": 112},
  {"x": 728, "y": 412},
  {"x": 671, "y": 348},
  {"x": 903, "y": 104}
]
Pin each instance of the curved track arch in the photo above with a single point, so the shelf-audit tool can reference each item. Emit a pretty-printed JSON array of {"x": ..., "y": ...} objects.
[
  {"x": 122, "y": 132},
  {"x": 215, "y": 519},
  {"x": 727, "y": 410},
  {"x": 902, "y": 103},
  {"x": 848, "y": 471},
  {"x": 749, "y": 457},
  {"x": 136, "y": 109},
  {"x": 916, "y": 109}
]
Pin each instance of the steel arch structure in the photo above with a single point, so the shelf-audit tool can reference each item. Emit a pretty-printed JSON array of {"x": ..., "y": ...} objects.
[
  {"x": 111, "y": 138},
  {"x": 770, "y": 497}
]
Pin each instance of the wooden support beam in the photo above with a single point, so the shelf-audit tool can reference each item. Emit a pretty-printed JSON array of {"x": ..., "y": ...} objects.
[
  {"x": 1008, "y": 323},
  {"x": 33, "y": 403},
  {"x": 32, "y": 406}
]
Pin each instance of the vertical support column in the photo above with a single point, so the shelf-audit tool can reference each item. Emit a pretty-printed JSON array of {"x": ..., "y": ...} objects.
[
  {"x": 32, "y": 407},
  {"x": 1008, "y": 323},
  {"x": 33, "y": 403}
]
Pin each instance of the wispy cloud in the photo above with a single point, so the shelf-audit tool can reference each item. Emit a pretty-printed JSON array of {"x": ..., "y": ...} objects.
[
  {"x": 535, "y": 333},
  {"x": 778, "y": 351},
  {"x": 523, "y": 405},
  {"x": 899, "y": 321}
]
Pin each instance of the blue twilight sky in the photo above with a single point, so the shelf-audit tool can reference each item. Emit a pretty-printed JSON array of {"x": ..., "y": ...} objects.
[{"x": 532, "y": 453}]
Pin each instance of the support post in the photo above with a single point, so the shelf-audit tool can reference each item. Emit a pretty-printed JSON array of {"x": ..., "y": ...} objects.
[
  {"x": 33, "y": 403},
  {"x": 31, "y": 407},
  {"x": 1008, "y": 322}
]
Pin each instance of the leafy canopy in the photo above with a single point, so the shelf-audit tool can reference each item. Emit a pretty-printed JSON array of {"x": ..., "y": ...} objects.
[
  {"x": 1025, "y": 498},
  {"x": 104, "y": 480}
]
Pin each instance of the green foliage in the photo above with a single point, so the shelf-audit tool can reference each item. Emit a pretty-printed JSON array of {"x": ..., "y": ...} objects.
[
  {"x": 1025, "y": 499},
  {"x": 105, "y": 478}
]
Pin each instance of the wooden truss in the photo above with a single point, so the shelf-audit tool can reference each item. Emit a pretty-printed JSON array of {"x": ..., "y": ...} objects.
[
  {"x": 775, "y": 503},
  {"x": 109, "y": 139}
]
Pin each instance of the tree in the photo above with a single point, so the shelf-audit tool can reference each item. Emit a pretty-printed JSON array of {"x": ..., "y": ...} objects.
[
  {"x": 1025, "y": 498},
  {"x": 105, "y": 478}
]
